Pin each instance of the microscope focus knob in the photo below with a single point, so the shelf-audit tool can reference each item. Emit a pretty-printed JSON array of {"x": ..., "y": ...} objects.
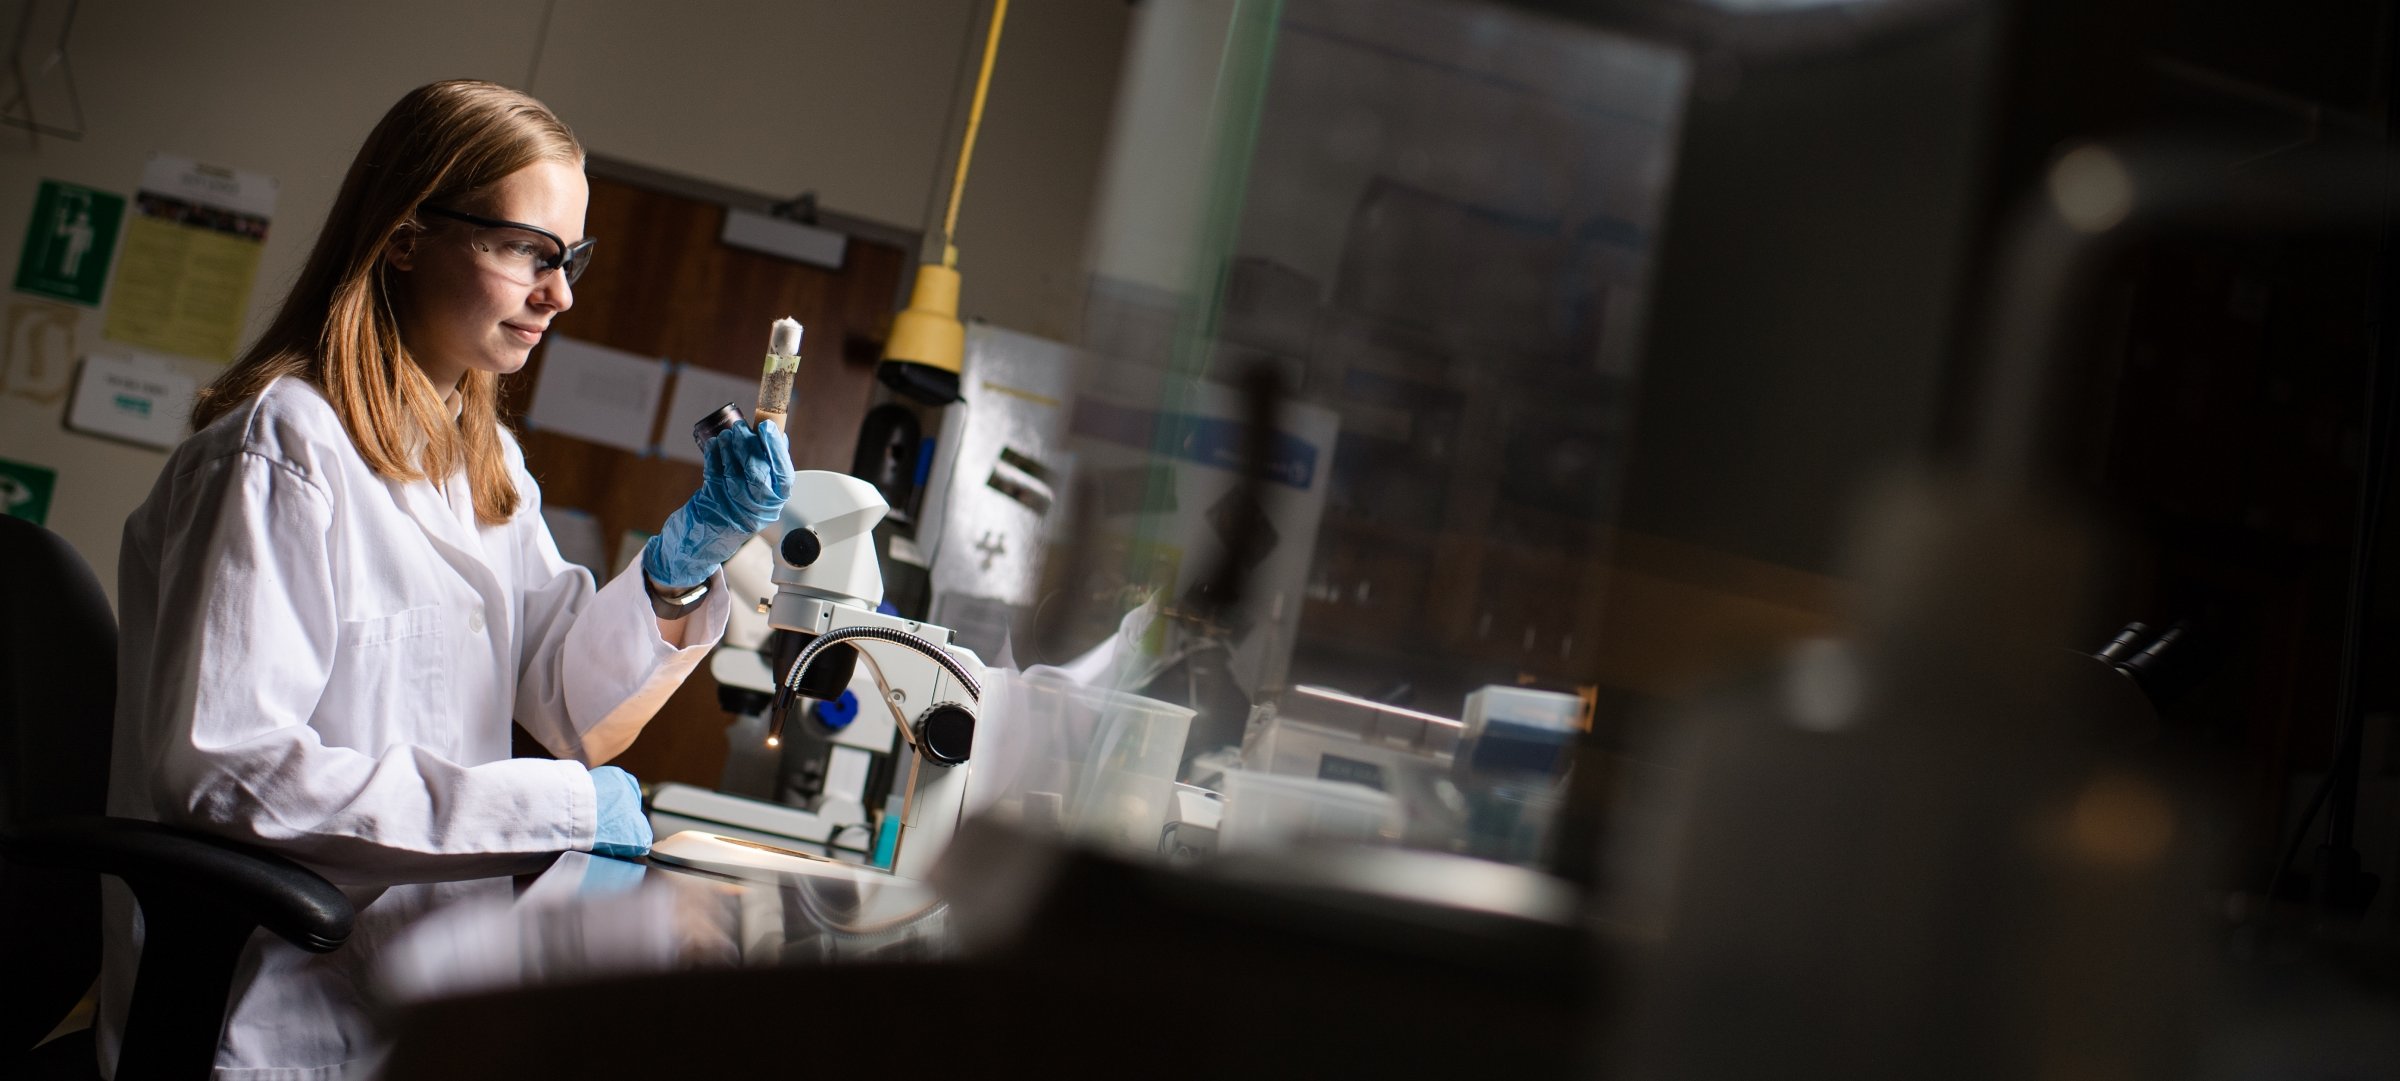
[
  {"x": 801, "y": 547},
  {"x": 946, "y": 734}
]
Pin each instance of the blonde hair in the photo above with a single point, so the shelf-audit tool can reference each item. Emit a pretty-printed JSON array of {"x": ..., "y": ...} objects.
[{"x": 441, "y": 144}]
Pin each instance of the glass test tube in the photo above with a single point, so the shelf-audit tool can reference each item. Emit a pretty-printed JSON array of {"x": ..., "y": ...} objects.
[{"x": 782, "y": 367}]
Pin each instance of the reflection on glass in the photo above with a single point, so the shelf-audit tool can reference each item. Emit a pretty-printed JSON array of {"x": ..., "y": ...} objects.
[{"x": 1348, "y": 411}]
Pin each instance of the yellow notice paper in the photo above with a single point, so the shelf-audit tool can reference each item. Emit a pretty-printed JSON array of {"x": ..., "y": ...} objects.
[{"x": 190, "y": 258}]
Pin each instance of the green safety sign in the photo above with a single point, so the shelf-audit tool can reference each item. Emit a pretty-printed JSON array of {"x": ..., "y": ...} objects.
[
  {"x": 69, "y": 243},
  {"x": 25, "y": 490}
]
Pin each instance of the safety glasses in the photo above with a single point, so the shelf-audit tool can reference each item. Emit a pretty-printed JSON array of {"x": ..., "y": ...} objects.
[{"x": 522, "y": 252}]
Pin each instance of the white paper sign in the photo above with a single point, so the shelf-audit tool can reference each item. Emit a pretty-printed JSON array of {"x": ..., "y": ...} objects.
[
  {"x": 577, "y": 535},
  {"x": 244, "y": 193},
  {"x": 698, "y": 392},
  {"x": 143, "y": 402},
  {"x": 607, "y": 396}
]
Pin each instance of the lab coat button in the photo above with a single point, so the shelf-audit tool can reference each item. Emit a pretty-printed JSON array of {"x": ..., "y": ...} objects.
[{"x": 475, "y": 621}]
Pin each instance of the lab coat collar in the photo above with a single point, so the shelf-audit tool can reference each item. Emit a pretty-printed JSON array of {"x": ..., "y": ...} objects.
[{"x": 435, "y": 513}]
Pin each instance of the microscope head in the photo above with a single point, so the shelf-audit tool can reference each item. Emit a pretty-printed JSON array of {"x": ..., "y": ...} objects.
[{"x": 828, "y": 546}]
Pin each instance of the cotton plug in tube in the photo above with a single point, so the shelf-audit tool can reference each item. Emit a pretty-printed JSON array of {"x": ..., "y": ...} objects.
[{"x": 783, "y": 366}]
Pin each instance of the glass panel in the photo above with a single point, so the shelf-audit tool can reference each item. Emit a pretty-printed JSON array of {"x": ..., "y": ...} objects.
[{"x": 1349, "y": 415}]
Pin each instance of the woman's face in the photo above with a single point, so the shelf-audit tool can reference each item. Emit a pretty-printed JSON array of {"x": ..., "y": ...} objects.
[{"x": 461, "y": 309}]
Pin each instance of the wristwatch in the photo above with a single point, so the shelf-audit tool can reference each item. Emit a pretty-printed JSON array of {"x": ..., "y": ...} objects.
[{"x": 674, "y": 605}]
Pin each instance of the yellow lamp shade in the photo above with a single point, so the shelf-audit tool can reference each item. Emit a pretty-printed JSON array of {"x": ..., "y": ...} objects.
[
  {"x": 929, "y": 332},
  {"x": 928, "y": 344}
]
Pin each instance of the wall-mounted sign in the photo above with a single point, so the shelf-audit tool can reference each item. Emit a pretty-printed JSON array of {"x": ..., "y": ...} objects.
[
  {"x": 37, "y": 349},
  {"x": 146, "y": 403},
  {"x": 25, "y": 490},
  {"x": 69, "y": 243}
]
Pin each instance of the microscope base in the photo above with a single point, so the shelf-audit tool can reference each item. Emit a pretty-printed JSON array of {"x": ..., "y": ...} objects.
[{"x": 757, "y": 817}]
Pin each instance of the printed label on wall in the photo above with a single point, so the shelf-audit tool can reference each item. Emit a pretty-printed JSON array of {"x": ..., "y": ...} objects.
[{"x": 145, "y": 403}]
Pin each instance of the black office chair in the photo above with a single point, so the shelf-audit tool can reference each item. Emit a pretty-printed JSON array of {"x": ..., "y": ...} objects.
[{"x": 201, "y": 896}]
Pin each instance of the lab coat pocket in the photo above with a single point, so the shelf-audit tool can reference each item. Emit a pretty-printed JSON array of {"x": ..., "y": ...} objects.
[{"x": 391, "y": 684}]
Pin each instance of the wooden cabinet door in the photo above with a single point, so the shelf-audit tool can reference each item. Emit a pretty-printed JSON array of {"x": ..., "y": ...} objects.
[{"x": 662, "y": 285}]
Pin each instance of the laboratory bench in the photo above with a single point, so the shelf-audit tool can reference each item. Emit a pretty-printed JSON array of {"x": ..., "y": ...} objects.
[{"x": 1029, "y": 956}]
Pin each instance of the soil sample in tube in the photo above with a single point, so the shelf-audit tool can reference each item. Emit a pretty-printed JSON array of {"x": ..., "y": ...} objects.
[{"x": 783, "y": 367}]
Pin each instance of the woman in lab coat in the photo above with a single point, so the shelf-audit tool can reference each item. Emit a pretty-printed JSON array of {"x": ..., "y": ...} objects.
[{"x": 340, "y": 591}]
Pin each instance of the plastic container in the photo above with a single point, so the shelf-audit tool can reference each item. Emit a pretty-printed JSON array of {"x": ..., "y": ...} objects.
[
  {"x": 1514, "y": 749},
  {"x": 1099, "y": 764},
  {"x": 1270, "y": 810},
  {"x": 1512, "y": 823},
  {"x": 1515, "y": 735}
]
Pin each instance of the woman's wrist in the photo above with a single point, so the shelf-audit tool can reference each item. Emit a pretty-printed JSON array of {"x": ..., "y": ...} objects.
[{"x": 670, "y": 602}]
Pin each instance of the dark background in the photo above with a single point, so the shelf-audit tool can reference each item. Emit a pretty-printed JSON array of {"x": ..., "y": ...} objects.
[{"x": 1818, "y": 294}]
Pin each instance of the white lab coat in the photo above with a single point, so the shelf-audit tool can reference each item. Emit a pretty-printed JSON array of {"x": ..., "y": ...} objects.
[{"x": 325, "y": 663}]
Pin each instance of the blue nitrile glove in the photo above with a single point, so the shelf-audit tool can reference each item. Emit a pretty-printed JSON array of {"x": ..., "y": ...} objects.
[
  {"x": 624, "y": 830},
  {"x": 745, "y": 477}
]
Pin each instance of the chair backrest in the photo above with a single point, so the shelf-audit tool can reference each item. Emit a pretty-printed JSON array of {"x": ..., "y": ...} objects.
[
  {"x": 58, "y": 690},
  {"x": 58, "y": 678}
]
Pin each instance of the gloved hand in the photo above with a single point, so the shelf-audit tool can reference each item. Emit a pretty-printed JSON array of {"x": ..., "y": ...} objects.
[
  {"x": 746, "y": 476},
  {"x": 624, "y": 830}
]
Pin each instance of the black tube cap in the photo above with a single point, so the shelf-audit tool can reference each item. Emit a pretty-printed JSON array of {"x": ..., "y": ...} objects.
[{"x": 726, "y": 417}]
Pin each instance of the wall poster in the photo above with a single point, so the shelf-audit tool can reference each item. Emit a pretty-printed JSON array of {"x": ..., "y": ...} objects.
[{"x": 191, "y": 256}]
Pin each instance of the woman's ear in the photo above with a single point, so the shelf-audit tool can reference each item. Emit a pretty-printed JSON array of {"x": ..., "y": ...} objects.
[{"x": 401, "y": 252}]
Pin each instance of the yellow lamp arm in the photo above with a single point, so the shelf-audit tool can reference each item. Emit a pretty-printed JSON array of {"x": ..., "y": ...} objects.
[{"x": 966, "y": 149}]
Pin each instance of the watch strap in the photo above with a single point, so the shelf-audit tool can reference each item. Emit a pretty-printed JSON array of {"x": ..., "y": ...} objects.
[{"x": 677, "y": 604}]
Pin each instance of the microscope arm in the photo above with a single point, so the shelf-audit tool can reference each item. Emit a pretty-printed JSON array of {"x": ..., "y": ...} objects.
[
  {"x": 853, "y": 633},
  {"x": 932, "y": 691}
]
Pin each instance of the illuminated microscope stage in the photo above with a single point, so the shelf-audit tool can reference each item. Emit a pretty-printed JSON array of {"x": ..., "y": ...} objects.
[{"x": 754, "y": 861}]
